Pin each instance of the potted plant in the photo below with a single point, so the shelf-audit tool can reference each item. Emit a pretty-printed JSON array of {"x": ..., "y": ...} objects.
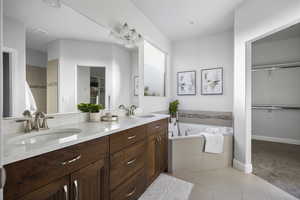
[
  {"x": 173, "y": 108},
  {"x": 93, "y": 109}
]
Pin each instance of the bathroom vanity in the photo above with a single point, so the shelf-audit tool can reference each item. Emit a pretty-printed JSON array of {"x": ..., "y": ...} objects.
[{"x": 116, "y": 165}]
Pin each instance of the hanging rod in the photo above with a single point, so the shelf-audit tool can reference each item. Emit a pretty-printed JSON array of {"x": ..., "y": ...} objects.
[
  {"x": 275, "y": 107},
  {"x": 276, "y": 66}
]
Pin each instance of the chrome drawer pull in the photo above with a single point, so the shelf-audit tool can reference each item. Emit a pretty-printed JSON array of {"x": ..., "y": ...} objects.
[
  {"x": 158, "y": 126},
  {"x": 66, "y": 192},
  {"x": 131, "y": 193},
  {"x": 76, "y": 190},
  {"x": 131, "y": 161},
  {"x": 71, "y": 161},
  {"x": 131, "y": 137}
]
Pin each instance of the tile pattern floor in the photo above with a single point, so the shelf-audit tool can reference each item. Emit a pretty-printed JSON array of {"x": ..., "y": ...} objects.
[
  {"x": 230, "y": 184},
  {"x": 278, "y": 164}
]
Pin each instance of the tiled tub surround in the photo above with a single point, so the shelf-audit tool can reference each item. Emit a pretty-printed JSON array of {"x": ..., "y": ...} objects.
[
  {"x": 206, "y": 117},
  {"x": 187, "y": 151},
  {"x": 90, "y": 130}
]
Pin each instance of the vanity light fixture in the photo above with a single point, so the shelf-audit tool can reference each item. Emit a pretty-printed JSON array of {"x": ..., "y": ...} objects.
[
  {"x": 53, "y": 3},
  {"x": 127, "y": 36}
]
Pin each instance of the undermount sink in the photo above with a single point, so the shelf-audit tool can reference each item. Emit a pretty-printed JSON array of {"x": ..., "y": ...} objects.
[
  {"x": 61, "y": 134},
  {"x": 146, "y": 116}
]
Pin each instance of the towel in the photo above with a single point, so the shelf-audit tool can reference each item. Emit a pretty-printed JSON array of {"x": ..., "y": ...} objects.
[
  {"x": 214, "y": 143},
  {"x": 30, "y": 103}
]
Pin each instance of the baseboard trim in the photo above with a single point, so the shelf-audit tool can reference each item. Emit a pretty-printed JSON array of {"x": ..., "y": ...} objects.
[
  {"x": 274, "y": 139},
  {"x": 246, "y": 168}
]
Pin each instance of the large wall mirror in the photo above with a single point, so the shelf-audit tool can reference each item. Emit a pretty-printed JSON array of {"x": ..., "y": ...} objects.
[
  {"x": 155, "y": 62},
  {"x": 55, "y": 58}
]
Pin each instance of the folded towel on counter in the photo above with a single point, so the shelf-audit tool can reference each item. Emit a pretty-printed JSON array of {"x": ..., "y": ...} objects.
[{"x": 214, "y": 143}]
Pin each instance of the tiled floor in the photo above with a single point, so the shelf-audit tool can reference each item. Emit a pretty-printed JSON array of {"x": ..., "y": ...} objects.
[{"x": 230, "y": 184}]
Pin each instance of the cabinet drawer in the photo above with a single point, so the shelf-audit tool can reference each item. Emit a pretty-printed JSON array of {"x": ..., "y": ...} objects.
[
  {"x": 157, "y": 126},
  {"x": 28, "y": 175},
  {"x": 131, "y": 189},
  {"x": 126, "y": 138},
  {"x": 125, "y": 163}
]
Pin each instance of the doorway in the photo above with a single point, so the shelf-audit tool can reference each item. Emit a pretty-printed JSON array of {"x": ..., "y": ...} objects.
[
  {"x": 276, "y": 109},
  {"x": 91, "y": 85}
]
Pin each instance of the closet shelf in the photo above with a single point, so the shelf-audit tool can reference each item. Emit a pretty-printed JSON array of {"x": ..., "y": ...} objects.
[
  {"x": 275, "y": 107},
  {"x": 275, "y": 66}
]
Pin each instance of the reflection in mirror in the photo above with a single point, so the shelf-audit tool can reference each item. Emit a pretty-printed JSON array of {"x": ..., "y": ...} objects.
[
  {"x": 55, "y": 58},
  {"x": 91, "y": 85},
  {"x": 154, "y": 71}
]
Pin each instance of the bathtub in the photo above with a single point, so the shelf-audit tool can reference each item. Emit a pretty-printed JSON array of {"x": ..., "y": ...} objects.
[{"x": 186, "y": 150}]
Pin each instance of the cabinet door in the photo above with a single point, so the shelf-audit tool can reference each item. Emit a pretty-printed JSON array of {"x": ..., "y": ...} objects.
[
  {"x": 56, "y": 190},
  {"x": 163, "y": 151},
  {"x": 152, "y": 158},
  {"x": 91, "y": 182}
]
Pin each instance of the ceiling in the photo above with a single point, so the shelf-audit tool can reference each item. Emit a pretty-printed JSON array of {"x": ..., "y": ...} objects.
[
  {"x": 180, "y": 19},
  {"x": 291, "y": 32},
  {"x": 45, "y": 24}
]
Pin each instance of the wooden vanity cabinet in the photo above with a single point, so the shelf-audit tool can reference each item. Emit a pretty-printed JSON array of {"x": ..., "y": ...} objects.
[
  {"x": 44, "y": 177},
  {"x": 157, "y": 149},
  {"x": 90, "y": 182},
  {"x": 56, "y": 190},
  {"x": 115, "y": 167},
  {"x": 127, "y": 164}
]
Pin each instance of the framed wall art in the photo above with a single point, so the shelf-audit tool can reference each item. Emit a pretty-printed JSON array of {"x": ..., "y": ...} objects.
[
  {"x": 212, "y": 81},
  {"x": 186, "y": 83}
]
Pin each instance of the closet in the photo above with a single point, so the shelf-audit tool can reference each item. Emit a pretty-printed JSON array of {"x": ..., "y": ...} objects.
[{"x": 276, "y": 109}]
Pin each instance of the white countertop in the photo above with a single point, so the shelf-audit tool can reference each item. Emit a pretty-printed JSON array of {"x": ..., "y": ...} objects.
[{"x": 90, "y": 130}]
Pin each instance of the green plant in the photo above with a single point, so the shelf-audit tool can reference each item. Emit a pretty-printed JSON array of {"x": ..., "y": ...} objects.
[
  {"x": 173, "y": 107},
  {"x": 83, "y": 107},
  {"x": 95, "y": 108},
  {"x": 88, "y": 107}
]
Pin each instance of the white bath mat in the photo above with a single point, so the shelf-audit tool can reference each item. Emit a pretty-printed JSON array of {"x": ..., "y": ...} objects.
[{"x": 166, "y": 187}]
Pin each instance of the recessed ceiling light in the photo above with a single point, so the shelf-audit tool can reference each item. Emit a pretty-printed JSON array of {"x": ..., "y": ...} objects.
[
  {"x": 192, "y": 22},
  {"x": 53, "y": 3}
]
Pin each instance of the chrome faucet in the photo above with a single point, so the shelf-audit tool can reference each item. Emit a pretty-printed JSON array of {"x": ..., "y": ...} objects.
[
  {"x": 129, "y": 110},
  {"x": 39, "y": 121}
]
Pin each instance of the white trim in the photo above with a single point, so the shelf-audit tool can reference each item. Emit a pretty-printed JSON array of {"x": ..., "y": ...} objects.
[
  {"x": 275, "y": 139},
  {"x": 246, "y": 168}
]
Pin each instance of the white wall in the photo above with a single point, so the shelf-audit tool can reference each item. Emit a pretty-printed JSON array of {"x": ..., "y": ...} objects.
[
  {"x": 276, "y": 87},
  {"x": 83, "y": 84},
  {"x": 14, "y": 37},
  {"x": 36, "y": 58},
  {"x": 121, "y": 76},
  {"x": 134, "y": 72},
  {"x": 253, "y": 20},
  {"x": 202, "y": 53}
]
